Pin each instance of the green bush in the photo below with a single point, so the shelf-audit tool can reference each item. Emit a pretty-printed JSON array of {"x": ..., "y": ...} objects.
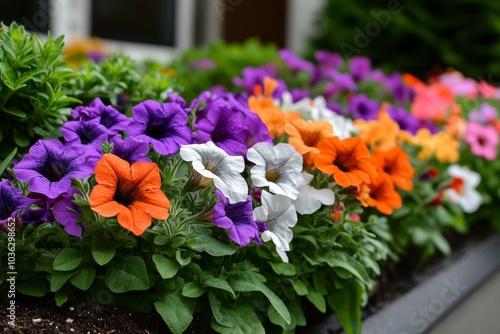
[
  {"x": 33, "y": 83},
  {"x": 415, "y": 36}
]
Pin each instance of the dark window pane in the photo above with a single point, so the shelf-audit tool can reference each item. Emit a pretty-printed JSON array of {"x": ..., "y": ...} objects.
[
  {"x": 33, "y": 14},
  {"x": 142, "y": 21}
]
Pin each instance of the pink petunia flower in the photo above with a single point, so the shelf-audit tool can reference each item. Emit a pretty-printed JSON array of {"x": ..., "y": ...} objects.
[{"x": 483, "y": 140}]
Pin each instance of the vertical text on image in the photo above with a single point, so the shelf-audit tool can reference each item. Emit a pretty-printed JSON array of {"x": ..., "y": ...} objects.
[{"x": 11, "y": 273}]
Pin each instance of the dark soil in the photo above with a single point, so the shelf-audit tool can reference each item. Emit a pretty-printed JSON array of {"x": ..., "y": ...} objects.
[
  {"x": 77, "y": 315},
  {"x": 80, "y": 316}
]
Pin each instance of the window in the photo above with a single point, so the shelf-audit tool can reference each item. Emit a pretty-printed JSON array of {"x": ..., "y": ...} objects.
[
  {"x": 33, "y": 14},
  {"x": 140, "y": 21}
]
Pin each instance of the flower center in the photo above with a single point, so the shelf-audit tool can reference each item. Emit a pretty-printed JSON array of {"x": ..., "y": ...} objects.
[
  {"x": 272, "y": 176},
  {"x": 53, "y": 169},
  {"x": 156, "y": 131},
  {"x": 124, "y": 194},
  {"x": 456, "y": 184}
]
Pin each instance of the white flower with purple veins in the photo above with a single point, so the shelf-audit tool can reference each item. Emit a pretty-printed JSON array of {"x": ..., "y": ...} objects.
[
  {"x": 464, "y": 192},
  {"x": 213, "y": 163},
  {"x": 278, "y": 213},
  {"x": 310, "y": 199},
  {"x": 277, "y": 167}
]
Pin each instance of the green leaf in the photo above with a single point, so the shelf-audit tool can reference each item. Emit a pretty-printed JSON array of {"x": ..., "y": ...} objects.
[
  {"x": 83, "y": 279},
  {"x": 166, "y": 268},
  {"x": 205, "y": 243},
  {"x": 249, "y": 281},
  {"x": 347, "y": 306},
  {"x": 15, "y": 112},
  {"x": 344, "y": 260},
  {"x": 192, "y": 290},
  {"x": 103, "y": 247},
  {"x": 299, "y": 286},
  {"x": 129, "y": 275},
  {"x": 282, "y": 268},
  {"x": 317, "y": 300},
  {"x": 177, "y": 311},
  {"x": 67, "y": 259},
  {"x": 5, "y": 163},
  {"x": 60, "y": 299},
  {"x": 20, "y": 139},
  {"x": 36, "y": 287},
  {"x": 218, "y": 283},
  {"x": 58, "y": 278},
  {"x": 233, "y": 320}
]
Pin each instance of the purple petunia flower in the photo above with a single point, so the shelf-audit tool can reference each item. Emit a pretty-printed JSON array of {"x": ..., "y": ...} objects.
[
  {"x": 42, "y": 210},
  {"x": 201, "y": 64},
  {"x": 254, "y": 76},
  {"x": 327, "y": 60},
  {"x": 230, "y": 126},
  {"x": 361, "y": 107},
  {"x": 11, "y": 201},
  {"x": 238, "y": 218},
  {"x": 401, "y": 92},
  {"x": 67, "y": 213},
  {"x": 130, "y": 149},
  {"x": 108, "y": 116},
  {"x": 406, "y": 120},
  {"x": 299, "y": 94},
  {"x": 49, "y": 167},
  {"x": 296, "y": 64},
  {"x": 360, "y": 67},
  {"x": 341, "y": 82},
  {"x": 85, "y": 133},
  {"x": 164, "y": 126},
  {"x": 485, "y": 114}
]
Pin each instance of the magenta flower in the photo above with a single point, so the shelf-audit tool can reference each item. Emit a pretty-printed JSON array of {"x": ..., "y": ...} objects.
[
  {"x": 130, "y": 149},
  {"x": 238, "y": 218},
  {"x": 49, "y": 167},
  {"x": 11, "y": 201},
  {"x": 108, "y": 116},
  {"x": 164, "y": 126},
  {"x": 483, "y": 140}
]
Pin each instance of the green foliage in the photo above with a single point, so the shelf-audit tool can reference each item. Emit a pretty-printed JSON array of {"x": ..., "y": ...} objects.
[
  {"x": 121, "y": 81},
  {"x": 33, "y": 88},
  {"x": 227, "y": 60},
  {"x": 414, "y": 36}
]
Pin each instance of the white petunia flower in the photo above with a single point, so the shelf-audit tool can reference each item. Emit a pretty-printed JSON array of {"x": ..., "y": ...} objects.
[
  {"x": 343, "y": 127},
  {"x": 317, "y": 110},
  {"x": 465, "y": 193},
  {"x": 310, "y": 199},
  {"x": 277, "y": 167},
  {"x": 279, "y": 214},
  {"x": 213, "y": 163}
]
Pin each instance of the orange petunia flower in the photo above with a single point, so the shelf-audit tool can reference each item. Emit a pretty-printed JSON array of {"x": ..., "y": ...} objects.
[
  {"x": 132, "y": 193},
  {"x": 383, "y": 196},
  {"x": 305, "y": 136},
  {"x": 382, "y": 133},
  {"x": 395, "y": 164},
  {"x": 348, "y": 160},
  {"x": 271, "y": 114}
]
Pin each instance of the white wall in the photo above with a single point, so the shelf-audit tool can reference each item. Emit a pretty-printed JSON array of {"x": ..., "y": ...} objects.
[{"x": 301, "y": 22}]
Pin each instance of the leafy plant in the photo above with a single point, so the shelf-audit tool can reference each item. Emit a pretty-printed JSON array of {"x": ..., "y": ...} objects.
[{"x": 33, "y": 88}]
